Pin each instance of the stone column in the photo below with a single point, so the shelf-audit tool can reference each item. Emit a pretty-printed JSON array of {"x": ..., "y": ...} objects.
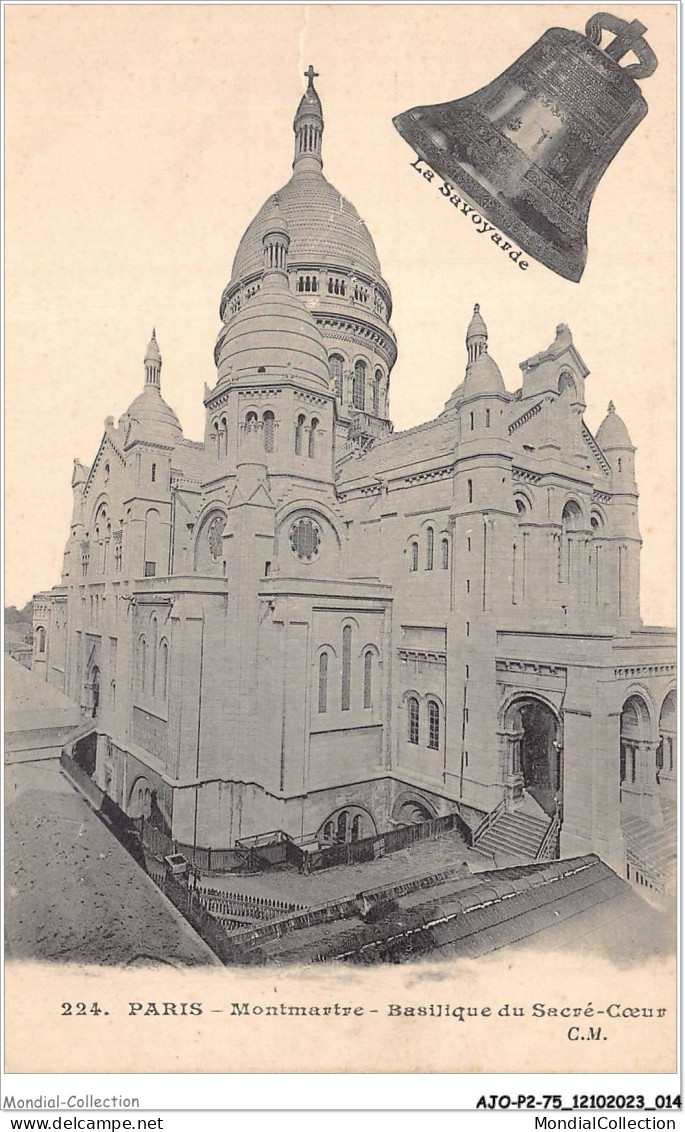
[
  {"x": 510, "y": 739},
  {"x": 641, "y": 796}
]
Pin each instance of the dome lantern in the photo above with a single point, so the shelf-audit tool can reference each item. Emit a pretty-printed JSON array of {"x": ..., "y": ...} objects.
[
  {"x": 308, "y": 128},
  {"x": 483, "y": 375},
  {"x": 476, "y": 335},
  {"x": 275, "y": 242},
  {"x": 153, "y": 362}
]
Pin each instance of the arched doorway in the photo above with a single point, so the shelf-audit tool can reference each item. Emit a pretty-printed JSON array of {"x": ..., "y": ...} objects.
[
  {"x": 140, "y": 799},
  {"x": 94, "y": 685},
  {"x": 666, "y": 751},
  {"x": 635, "y": 731},
  {"x": 534, "y": 732},
  {"x": 413, "y": 813},
  {"x": 347, "y": 825}
]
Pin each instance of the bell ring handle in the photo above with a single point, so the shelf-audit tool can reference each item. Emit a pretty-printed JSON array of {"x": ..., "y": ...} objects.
[{"x": 628, "y": 38}]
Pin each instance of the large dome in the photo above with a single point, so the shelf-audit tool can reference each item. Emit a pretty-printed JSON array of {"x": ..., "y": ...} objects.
[
  {"x": 333, "y": 271},
  {"x": 324, "y": 228}
]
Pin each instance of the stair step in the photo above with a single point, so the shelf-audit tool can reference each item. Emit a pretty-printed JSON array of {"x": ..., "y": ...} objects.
[
  {"x": 511, "y": 822},
  {"x": 516, "y": 834},
  {"x": 532, "y": 825},
  {"x": 494, "y": 840}
]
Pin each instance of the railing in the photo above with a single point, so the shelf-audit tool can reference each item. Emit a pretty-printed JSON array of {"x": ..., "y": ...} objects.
[
  {"x": 159, "y": 844},
  {"x": 644, "y": 871},
  {"x": 487, "y": 823},
  {"x": 244, "y": 904},
  {"x": 370, "y": 848},
  {"x": 342, "y": 909},
  {"x": 548, "y": 849},
  {"x": 363, "y": 422},
  {"x": 265, "y": 850}
]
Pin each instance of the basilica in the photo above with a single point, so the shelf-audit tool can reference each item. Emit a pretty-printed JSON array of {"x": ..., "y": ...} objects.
[{"x": 313, "y": 624}]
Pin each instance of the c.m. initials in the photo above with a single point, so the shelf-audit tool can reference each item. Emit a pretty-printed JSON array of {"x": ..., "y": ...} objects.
[{"x": 592, "y": 1034}]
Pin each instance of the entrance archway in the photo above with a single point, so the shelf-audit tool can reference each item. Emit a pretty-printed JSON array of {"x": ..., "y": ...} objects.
[
  {"x": 347, "y": 825},
  {"x": 534, "y": 730},
  {"x": 413, "y": 813},
  {"x": 635, "y": 732},
  {"x": 95, "y": 690},
  {"x": 666, "y": 751}
]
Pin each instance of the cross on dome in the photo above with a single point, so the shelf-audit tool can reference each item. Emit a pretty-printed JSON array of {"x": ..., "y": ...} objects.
[{"x": 308, "y": 127}]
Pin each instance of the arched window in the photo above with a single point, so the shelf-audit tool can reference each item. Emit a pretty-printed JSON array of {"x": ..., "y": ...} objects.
[
  {"x": 346, "y": 667},
  {"x": 337, "y": 363},
  {"x": 223, "y": 438},
  {"x": 413, "y": 720},
  {"x": 414, "y": 561},
  {"x": 469, "y": 490},
  {"x": 299, "y": 431},
  {"x": 342, "y": 825},
  {"x": 567, "y": 386},
  {"x": 487, "y": 418},
  {"x": 430, "y": 548},
  {"x": 323, "y": 681},
  {"x": 377, "y": 385},
  {"x": 153, "y": 473},
  {"x": 40, "y": 639},
  {"x": 433, "y": 726},
  {"x": 356, "y": 828},
  {"x": 163, "y": 673},
  {"x": 142, "y": 662},
  {"x": 368, "y": 677},
  {"x": 153, "y": 653},
  {"x": 269, "y": 422},
  {"x": 445, "y": 554},
  {"x": 312, "y": 437},
  {"x": 328, "y": 831},
  {"x": 358, "y": 384}
]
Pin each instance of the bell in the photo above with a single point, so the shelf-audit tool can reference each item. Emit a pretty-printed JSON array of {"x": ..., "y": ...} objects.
[{"x": 530, "y": 147}]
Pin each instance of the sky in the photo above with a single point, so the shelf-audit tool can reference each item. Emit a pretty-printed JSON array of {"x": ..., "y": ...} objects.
[{"x": 141, "y": 140}]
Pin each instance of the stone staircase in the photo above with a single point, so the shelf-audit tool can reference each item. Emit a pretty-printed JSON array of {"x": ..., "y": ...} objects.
[
  {"x": 651, "y": 849},
  {"x": 514, "y": 834}
]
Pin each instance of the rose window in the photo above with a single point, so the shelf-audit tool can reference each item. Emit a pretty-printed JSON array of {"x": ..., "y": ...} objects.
[
  {"x": 214, "y": 537},
  {"x": 305, "y": 539}
]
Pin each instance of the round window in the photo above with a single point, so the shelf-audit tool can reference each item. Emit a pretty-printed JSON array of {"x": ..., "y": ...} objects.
[
  {"x": 305, "y": 539},
  {"x": 214, "y": 536}
]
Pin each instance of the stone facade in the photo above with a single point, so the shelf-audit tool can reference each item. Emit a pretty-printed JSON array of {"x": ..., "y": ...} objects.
[{"x": 310, "y": 623}]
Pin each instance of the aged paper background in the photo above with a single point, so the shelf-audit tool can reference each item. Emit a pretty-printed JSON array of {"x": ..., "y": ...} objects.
[{"x": 140, "y": 142}]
